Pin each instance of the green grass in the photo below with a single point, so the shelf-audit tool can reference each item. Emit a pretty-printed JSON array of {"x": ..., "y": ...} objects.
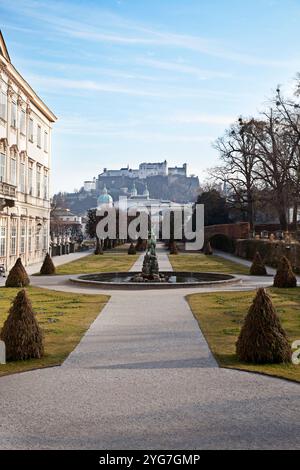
[
  {"x": 98, "y": 263},
  {"x": 220, "y": 316},
  {"x": 201, "y": 263},
  {"x": 63, "y": 317}
]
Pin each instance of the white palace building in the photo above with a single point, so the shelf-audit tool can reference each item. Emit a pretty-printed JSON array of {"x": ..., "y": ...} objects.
[{"x": 25, "y": 149}]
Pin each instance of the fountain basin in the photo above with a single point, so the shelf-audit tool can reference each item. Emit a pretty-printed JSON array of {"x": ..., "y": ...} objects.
[{"x": 175, "y": 279}]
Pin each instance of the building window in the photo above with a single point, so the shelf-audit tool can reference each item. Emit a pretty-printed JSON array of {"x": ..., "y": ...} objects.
[
  {"x": 13, "y": 117},
  {"x": 13, "y": 238},
  {"x": 30, "y": 237},
  {"x": 22, "y": 121},
  {"x": 30, "y": 130},
  {"x": 13, "y": 170},
  {"x": 30, "y": 178},
  {"x": 45, "y": 185},
  {"x": 45, "y": 141},
  {"x": 22, "y": 237},
  {"x": 22, "y": 177},
  {"x": 38, "y": 181},
  {"x": 37, "y": 240},
  {"x": 2, "y": 166},
  {"x": 39, "y": 136},
  {"x": 45, "y": 237},
  {"x": 3, "y": 105},
  {"x": 2, "y": 238}
]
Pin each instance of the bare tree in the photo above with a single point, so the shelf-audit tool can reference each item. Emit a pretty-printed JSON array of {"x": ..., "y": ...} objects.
[
  {"x": 276, "y": 147},
  {"x": 289, "y": 110},
  {"x": 239, "y": 160}
]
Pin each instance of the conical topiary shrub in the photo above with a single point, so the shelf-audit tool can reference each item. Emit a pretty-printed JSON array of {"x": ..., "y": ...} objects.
[
  {"x": 284, "y": 276},
  {"x": 262, "y": 339},
  {"x": 48, "y": 267},
  {"x": 131, "y": 249},
  {"x": 21, "y": 333},
  {"x": 173, "y": 248},
  {"x": 17, "y": 276},
  {"x": 258, "y": 268},
  {"x": 141, "y": 245},
  {"x": 208, "y": 249},
  {"x": 26, "y": 278}
]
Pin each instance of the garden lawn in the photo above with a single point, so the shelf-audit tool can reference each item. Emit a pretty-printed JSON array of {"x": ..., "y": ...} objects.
[
  {"x": 220, "y": 316},
  {"x": 201, "y": 263},
  {"x": 63, "y": 317},
  {"x": 98, "y": 264}
]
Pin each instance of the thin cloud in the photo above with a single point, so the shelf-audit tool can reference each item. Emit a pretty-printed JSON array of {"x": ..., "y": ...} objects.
[
  {"x": 203, "y": 119},
  {"x": 184, "y": 68},
  {"x": 59, "y": 85},
  {"x": 112, "y": 32}
]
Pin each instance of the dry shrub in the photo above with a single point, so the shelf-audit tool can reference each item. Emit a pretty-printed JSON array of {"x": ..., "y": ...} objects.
[
  {"x": 284, "y": 276},
  {"x": 208, "y": 249},
  {"x": 48, "y": 267},
  {"x": 131, "y": 249},
  {"x": 262, "y": 339},
  {"x": 173, "y": 248},
  {"x": 21, "y": 333},
  {"x": 17, "y": 276},
  {"x": 141, "y": 245},
  {"x": 258, "y": 268}
]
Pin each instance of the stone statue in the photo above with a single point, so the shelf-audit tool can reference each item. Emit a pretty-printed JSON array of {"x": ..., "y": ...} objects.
[{"x": 150, "y": 270}]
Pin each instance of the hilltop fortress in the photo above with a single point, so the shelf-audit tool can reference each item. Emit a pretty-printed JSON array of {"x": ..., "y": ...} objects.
[{"x": 156, "y": 179}]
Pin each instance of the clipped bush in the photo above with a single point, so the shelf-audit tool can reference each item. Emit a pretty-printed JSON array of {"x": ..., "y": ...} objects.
[
  {"x": 131, "y": 249},
  {"x": 258, "y": 268},
  {"x": 98, "y": 249},
  {"x": 284, "y": 276},
  {"x": 141, "y": 245},
  {"x": 208, "y": 249},
  {"x": 48, "y": 267},
  {"x": 173, "y": 248},
  {"x": 262, "y": 339},
  {"x": 21, "y": 333},
  {"x": 17, "y": 276},
  {"x": 20, "y": 265}
]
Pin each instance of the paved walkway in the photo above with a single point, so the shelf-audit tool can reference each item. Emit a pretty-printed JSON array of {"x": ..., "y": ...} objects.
[
  {"x": 242, "y": 261},
  {"x": 142, "y": 378}
]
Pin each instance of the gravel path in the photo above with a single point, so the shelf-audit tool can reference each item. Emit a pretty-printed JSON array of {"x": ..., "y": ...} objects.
[{"x": 143, "y": 377}]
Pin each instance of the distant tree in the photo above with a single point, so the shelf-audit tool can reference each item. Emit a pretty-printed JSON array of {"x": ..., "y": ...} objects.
[
  {"x": 90, "y": 228},
  {"x": 215, "y": 207}
]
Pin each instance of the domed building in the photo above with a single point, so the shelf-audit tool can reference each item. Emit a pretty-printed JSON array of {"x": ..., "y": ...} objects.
[
  {"x": 133, "y": 192},
  {"x": 105, "y": 199},
  {"x": 146, "y": 193}
]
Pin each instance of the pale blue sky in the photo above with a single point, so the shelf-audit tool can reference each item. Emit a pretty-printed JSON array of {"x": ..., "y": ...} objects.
[{"x": 141, "y": 80}]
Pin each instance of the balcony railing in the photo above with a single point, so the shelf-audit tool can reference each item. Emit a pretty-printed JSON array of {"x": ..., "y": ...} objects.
[{"x": 7, "y": 190}]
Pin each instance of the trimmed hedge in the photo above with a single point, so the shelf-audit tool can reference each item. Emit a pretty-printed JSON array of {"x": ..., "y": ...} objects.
[{"x": 271, "y": 252}]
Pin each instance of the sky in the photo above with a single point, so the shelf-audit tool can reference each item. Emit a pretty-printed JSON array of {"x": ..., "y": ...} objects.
[{"x": 139, "y": 80}]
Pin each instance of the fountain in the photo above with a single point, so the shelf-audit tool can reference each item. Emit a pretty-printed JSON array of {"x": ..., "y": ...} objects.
[
  {"x": 150, "y": 270},
  {"x": 151, "y": 278}
]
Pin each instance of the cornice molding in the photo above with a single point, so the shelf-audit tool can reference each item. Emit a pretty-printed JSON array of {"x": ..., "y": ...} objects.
[
  {"x": 3, "y": 143},
  {"x": 14, "y": 149}
]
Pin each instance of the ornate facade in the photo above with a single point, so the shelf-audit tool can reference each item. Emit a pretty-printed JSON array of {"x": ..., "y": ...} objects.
[{"x": 25, "y": 150}]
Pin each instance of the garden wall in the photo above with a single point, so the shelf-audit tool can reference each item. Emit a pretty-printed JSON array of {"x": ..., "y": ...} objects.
[{"x": 271, "y": 251}]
